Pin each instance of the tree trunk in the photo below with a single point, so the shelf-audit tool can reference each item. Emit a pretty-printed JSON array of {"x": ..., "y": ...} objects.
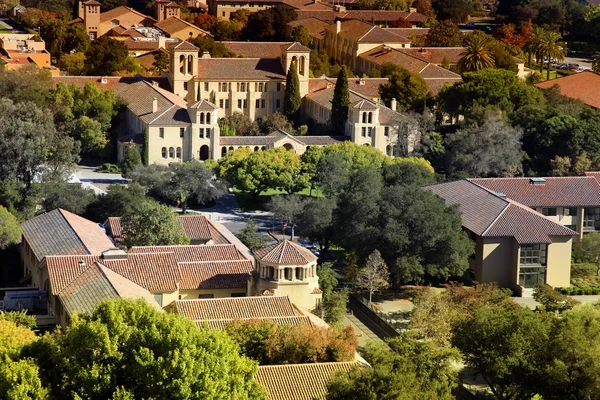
[
  {"x": 184, "y": 207},
  {"x": 292, "y": 232},
  {"x": 548, "y": 74},
  {"x": 370, "y": 298}
]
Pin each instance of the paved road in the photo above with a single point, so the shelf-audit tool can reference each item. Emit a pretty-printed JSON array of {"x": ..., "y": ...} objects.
[
  {"x": 582, "y": 61},
  {"x": 96, "y": 181}
]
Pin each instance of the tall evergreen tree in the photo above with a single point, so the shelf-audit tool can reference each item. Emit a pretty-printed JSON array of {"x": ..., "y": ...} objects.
[
  {"x": 146, "y": 154},
  {"x": 132, "y": 159},
  {"x": 339, "y": 104},
  {"x": 292, "y": 100}
]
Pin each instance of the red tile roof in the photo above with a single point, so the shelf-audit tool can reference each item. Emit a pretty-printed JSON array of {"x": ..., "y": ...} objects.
[
  {"x": 222, "y": 323},
  {"x": 584, "y": 86},
  {"x": 595, "y": 174},
  {"x": 215, "y": 274},
  {"x": 115, "y": 13},
  {"x": 285, "y": 253},
  {"x": 259, "y": 69},
  {"x": 568, "y": 191},
  {"x": 172, "y": 25},
  {"x": 314, "y": 26},
  {"x": 236, "y": 308},
  {"x": 487, "y": 215},
  {"x": 195, "y": 253},
  {"x": 262, "y": 49}
]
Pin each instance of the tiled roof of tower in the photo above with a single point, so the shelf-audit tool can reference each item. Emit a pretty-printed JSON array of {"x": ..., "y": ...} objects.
[
  {"x": 96, "y": 284},
  {"x": 195, "y": 253},
  {"x": 300, "y": 381},
  {"x": 203, "y": 105},
  {"x": 215, "y": 274},
  {"x": 222, "y": 323},
  {"x": 568, "y": 191},
  {"x": 235, "y": 308},
  {"x": 285, "y": 253},
  {"x": 486, "y": 214},
  {"x": 240, "y": 68},
  {"x": 583, "y": 86},
  {"x": 62, "y": 232}
]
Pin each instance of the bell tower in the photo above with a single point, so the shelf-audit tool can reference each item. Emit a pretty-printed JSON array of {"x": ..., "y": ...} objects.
[
  {"x": 183, "y": 69},
  {"x": 300, "y": 56}
]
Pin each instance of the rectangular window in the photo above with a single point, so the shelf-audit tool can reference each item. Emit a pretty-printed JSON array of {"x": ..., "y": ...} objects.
[
  {"x": 227, "y": 103},
  {"x": 206, "y": 86},
  {"x": 278, "y": 103},
  {"x": 206, "y": 296},
  {"x": 242, "y": 87},
  {"x": 364, "y": 131},
  {"x": 530, "y": 277},
  {"x": 262, "y": 103},
  {"x": 386, "y": 131},
  {"x": 239, "y": 103},
  {"x": 257, "y": 103},
  {"x": 279, "y": 86},
  {"x": 221, "y": 103},
  {"x": 570, "y": 211},
  {"x": 181, "y": 132},
  {"x": 223, "y": 13},
  {"x": 161, "y": 133},
  {"x": 591, "y": 219},
  {"x": 201, "y": 133},
  {"x": 551, "y": 212},
  {"x": 533, "y": 254},
  {"x": 369, "y": 130},
  {"x": 238, "y": 294},
  {"x": 158, "y": 298},
  {"x": 245, "y": 103},
  {"x": 92, "y": 35},
  {"x": 185, "y": 85},
  {"x": 260, "y": 87},
  {"x": 208, "y": 133}
]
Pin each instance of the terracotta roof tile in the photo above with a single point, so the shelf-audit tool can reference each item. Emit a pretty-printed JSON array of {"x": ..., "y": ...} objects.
[
  {"x": 323, "y": 15},
  {"x": 195, "y": 253},
  {"x": 172, "y": 25},
  {"x": 300, "y": 381},
  {"x": 595, "y": 174},
  {"x": 222, "y": 323},
  {"x": 568, "y": 191},
  {"x": 255, "y": 49},
  {"x": 146, "y": 45},
  {"x": 259, "y": 69},
  {"x": 314, "y": 26},
  {"x": 436, "y": 54},
  {"x": 215, "y": 274},
  {"x": 235, "y": 308},
  {"x": 111, "y": 82},
  {"x": 285, "y": 253},
  {"x": 115, "y": 13},
  {"x": 409, "y": 32},
  {"x": 584, "y": 86}
]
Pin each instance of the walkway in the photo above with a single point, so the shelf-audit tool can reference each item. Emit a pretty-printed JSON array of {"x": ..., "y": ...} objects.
[{"x": 361, "y": 331}]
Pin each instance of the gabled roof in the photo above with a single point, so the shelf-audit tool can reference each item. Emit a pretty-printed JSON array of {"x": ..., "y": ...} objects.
[
  {"x": 203, "y": 105},
  {"x": 62, "y": 232},
  {"x": 215, "y": 274},
  {"x": 595, "y": 174},
  {"x": 195, "y": 253},
  {"x": 235, "y": 308},
  {"x": 583, "y": 86},
  {"x": 172, "y": 25},
  {"x": 314, "y": 26},
  {"x": 115, "y": 13},
  {"x": 232, "y": 69},
  {"x": 96, "y": 284},
  {"x": 358, "y": 31},
  {"x": 285, "y": 253},
  {"x": 275, "y": 136},
  {"x": 486, "y": 214},
  {"x": 300, "y": 381},
  {"x": 222, "y": 323},
  {"x": 567, "y": 191}
]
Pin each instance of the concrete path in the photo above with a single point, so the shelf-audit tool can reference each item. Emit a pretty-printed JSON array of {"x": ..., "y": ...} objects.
[
  {"x": 361, "y": 331},
  {"x": 96, "y": 181},
  {"x": 529, "y": 302}
]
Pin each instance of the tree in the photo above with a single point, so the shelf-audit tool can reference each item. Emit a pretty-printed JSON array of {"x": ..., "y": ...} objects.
[
  {"x": 146, "y": 149},
  {"x": 10, "y": 231},
  {"x": 7, "y": 6},
  {"x": 504, "y": 347},
  {"x": 128, "y": 349},
  {"x": 300, "y": 34},
  {"x": 118, "y": 200},
  {"x": 209, "y": 45},
  {"x": 550, "y": 48},
  {"x": 339, "y": 104},
  {"x": 13, "y": 338},
  {"x": 587, "y": 250},
  {"x": 334, "y": 307},
  {"x": 106, "y": 56},
  {"x": 409, "y": 370},
  {"x": 240, "y": 124},
  {"x": 596, "y": 63},
  {"x": 424, "y": 7},
  {"x": 249, "y": 236},
  {"x": 476, "y": 55},
  {"x": 19, "y": 380},
  {"x": 493, "y": 149},
  {"x": 328, "y": 278},
  {"x": 457, "y": 11},
  {"x": 73, "y": 197},
  {"x": 132, "y": 159},
  {"x": 408, "y": 88},
  {"x": 316, "y": 220},
  {"x": 151, "y": 224},
  {"x": 287, "y": 208},
  {"x": 273, "y": 122},
  {"x": 161, "y": 61},
  {"x": 444, "y": 34},
  {"x": 374, "y": 276},
  {"x": 292, "y": 99},
  {"x": 74, "y": 63},
  {"x": 552, "y": 300}
]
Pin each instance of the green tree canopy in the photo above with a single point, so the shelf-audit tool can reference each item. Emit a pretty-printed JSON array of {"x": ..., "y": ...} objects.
[
  {"x": 106, "y": 56},
  {"x": 118, "y": 200},
  {"x": 339, "y": 104},
  {"x": 73, "y": 197},
  {"x": 249, "y": 236},
  {"x": 408, "y": 88},
  {"x": 10, "y": 230},
  {"x": 151, "y": 224},
  {"x": 444, "y": 34},
  {"x": 19, "y": 380},
  {"x": 132, "y": 159},
  {"x": 300, "y": 34}
]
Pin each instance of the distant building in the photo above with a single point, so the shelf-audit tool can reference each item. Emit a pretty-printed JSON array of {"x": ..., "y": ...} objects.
[{"x": 20, "y": 49}]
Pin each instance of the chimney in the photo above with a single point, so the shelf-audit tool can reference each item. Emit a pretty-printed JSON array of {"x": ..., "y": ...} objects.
[
  {"x": 537, "y": 181},
  {"x": 162, "y": 42},
  {"x": 81, "y": 263},
  {"x": 412, "y": 10},
  {"x": 205, "y": 54},
  {"x": 113, "y": 254},
  {"x": 338, "y": 26},
  {"x": 103, "y": 80},
  {"x": 394, "y": 104},
  {"x": 154, "y": 105}
]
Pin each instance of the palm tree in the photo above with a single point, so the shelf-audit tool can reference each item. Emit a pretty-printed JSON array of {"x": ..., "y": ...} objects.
[
  {"x": 552, "y": 48},
  {"x": 477, "y": 55},
  {"x": 534, "y": 47}
]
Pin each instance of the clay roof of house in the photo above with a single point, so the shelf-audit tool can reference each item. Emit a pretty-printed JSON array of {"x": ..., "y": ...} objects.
[
  {"x": 215, "y": 274},
  {"x": 255, "y": 49},
  {"x": 62, "y": 232},
  {"x": 567, "y": 191},
  {"x": 120, "y": 11},
  {"x": 203, "y": 105},
  {"x": 486, "y": 214},
  {"x": 132, "y": 33},
  {"x": 222, "y": 323},
  {"x": 155, "y": 272},
  {"x": 323, "y": 15},
  {"x": 584, "y": 86},
  {"x": 111, "y": 82},
  {"x": 408, "y": 32},
  {"x": 252, "y": 141},
  {"x": 232, "y": 69},
  {"x": 96, "y": 284},
  {"x": 367, "y": 87},
  {"x": 358, "y": 31},
  {"x": 383, "y": 15},
  {"x": 236, "y": 308},
  {"x": 92, "y": 3},
  {"x": 595, "y": 174},
  {"x": 314, "y": 26},
  {"x": 285, "y": 253},
  {"x": 172, "y": 110},
  {"x": 300, "y": 381},
  {"x": 196, "y": 227},
  {"x": 172, "y": 25},
  {"x": 146, "y": 45},
  {"x": 195, "y": 253}
]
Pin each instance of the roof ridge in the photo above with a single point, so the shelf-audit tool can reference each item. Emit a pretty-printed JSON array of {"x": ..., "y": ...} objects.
[
  {"x": 61, "y": 211},
  {"x": 73, "y": 280},
  {"x": 101, "y": 267},
  {"x": 307, "y": 365},
  {"x": 495, "y": 220},
  {"x": 213, "y": 262},
  {"x": 369, "y": 31},
  {"x": 161, "y": 114}
]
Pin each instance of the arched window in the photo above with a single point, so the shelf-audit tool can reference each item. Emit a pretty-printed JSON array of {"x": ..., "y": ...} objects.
[
  {"x": 204, "y": 152},
  {"x": 190, "y": 64},
  {"x": 208, "y": 118},
  {"x": 388, "y": 150},
  {"x": 302, "y": 65},
  {"x": 370, "y": 117},
  {"x": 295, "y": 62},
  {"x": 256, "y": 148},
  {"x": 223, "y": 151},
  {"x": 201, "y": 118},
  {"x": 182, "y": 64},
  {"x": 230, "y": 148},
  {"x": 178, "y": 153},
  {"x": 171, "y": 152},
  {"x": 263, "y": 148},
  {"x": 364, "y": 118},
  {"x": 164, "y": 152}
]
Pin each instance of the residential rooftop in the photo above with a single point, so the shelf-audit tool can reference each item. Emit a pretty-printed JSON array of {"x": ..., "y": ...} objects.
[
  {"x": 236, "y": 308},
  {"x": 584, "y": 86}
]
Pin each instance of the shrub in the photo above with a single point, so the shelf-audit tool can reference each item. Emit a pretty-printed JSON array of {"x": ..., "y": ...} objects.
[
  {"x": 553, "y": 300},
  {"x": 581, "y": 270},
  {"x": 108, "y": 168}
]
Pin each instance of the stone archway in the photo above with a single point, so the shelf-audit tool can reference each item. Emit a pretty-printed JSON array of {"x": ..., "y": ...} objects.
[{"x": 204, "y": 152}]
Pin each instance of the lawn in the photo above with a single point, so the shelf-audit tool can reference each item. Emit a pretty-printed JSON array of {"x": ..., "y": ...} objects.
[{"x": 246, "y": 202}]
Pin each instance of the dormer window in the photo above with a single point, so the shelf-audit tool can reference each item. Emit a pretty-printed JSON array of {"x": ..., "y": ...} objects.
[{"x": 114, "y": 22}]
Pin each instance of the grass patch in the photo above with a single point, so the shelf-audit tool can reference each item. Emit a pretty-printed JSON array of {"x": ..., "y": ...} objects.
[{"x": 247, "y": 203}]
